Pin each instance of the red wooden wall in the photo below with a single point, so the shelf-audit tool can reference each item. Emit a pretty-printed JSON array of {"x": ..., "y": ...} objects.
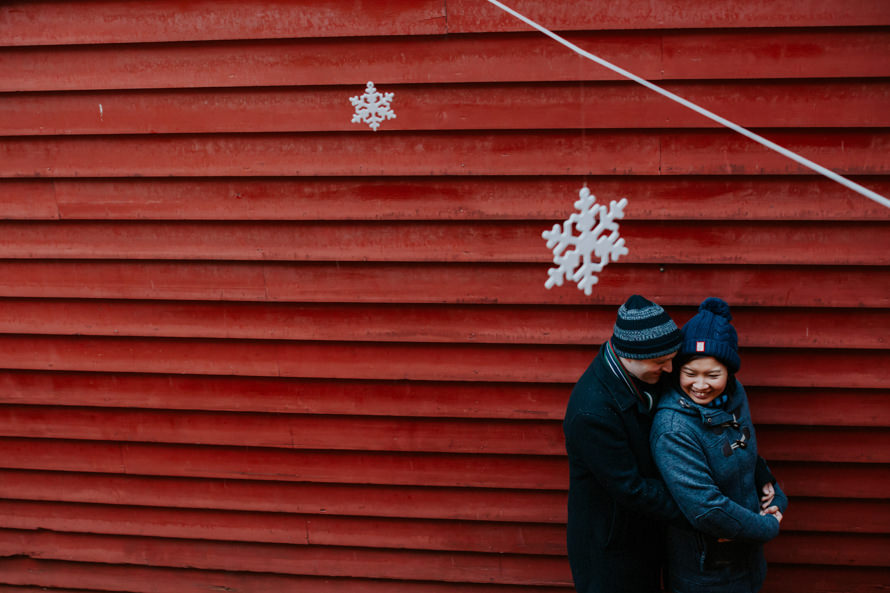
[{"x": 249, "y": 345}]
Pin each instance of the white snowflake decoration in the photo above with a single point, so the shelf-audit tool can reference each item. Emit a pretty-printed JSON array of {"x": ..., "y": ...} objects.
[
  {"x": 591, "y": 244},
  {"x": 372, "y": 107}
]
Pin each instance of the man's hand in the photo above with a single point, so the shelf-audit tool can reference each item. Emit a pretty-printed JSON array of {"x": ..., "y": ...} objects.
[{"x": 769, "y": 493}]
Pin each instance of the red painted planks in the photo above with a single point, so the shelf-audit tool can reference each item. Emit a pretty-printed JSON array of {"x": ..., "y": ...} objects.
[
  {"x": 458, "y": 536},
  {"x": 364, "y": 533},
  {"x": 277, "y": 558},
  {"x": 329, "y": 433},
  {"x": 95, "y": 21},
  {"x": 474, "y": 16},
  {"x": 141, "y": 579},
  {"x": 145, "y": 579},
  {"x": 825, "y": 53},
  {"x": 810, "y": 514},
  {"x": 417, "y": 198},
  {"x": 552, "y": 106},
  {"x": 839, "y": 445},
  {"x": 788, "y": 54},
  {"x": 404, "y": 361},
  {"x": 26, "y": 199},
  {"x": 675, "y": 243},
  {"x": 820, "y": 444},
  {"x": 163, "y": 21},
  {"x": 251, "y": 463},
  {"x": 708, "y": 153},
  {"x": 866, "y": 481},
  {"x": 26, "y": 589},
  {"x": 490, "y": 284},
  {"x": 584, "y": 325},
  {"x": 769, "y": 404},
  {"x": 782, "y": 286},
  {"x": 276, "y": 395},
  {"x": 858, "y": 550},
  {"x": 761, "y": 368},
  {"x": 328, "y": 360},
  {"x": 825, "y": 407},
  {"x": 281, "y": 528},
  {"x": 332, "y": 154},
  {"x": 323, "y": 442},
  {"x": 541, "y": 153},
  {"x": 842, "y": 516},
  {"x": 831, "y": 548},
  {"x": 465, "y": 504},
  {"x": 825, "y": 579},
  {"x": 229, "y": 282},
  {"x": 508, "y": 472},
  {"x": 408, "y": 60}
]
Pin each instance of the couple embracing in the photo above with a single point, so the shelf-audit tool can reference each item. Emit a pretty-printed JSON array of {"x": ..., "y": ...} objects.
[{"x": 663, "y": 462}]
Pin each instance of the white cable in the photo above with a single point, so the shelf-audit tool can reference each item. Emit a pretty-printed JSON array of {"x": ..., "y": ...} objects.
[{"x": 701, "y": 110}]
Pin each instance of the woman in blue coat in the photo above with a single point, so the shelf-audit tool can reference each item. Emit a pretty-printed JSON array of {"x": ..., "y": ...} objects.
[{"x": 705, "y": 447}]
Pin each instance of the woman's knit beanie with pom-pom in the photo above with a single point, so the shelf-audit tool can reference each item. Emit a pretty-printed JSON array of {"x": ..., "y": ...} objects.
[{"x": 710, "y": 333}]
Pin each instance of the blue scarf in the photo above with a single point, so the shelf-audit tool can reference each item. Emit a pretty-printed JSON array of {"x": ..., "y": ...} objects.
[
  {"x": 718, "y": 402},
  {"x": 644, "y": 397}
]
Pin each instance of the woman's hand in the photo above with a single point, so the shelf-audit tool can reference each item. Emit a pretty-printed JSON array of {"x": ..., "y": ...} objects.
[
  {"x": 769, "y": 493},
  {"x": 774, "y": 511}
]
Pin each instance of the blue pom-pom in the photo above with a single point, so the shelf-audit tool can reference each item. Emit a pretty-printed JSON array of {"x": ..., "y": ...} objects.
[{"x": 716, "y": 306}]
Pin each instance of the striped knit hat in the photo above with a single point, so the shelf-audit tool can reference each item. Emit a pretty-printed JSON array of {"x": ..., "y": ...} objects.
[{"x": 643, "y": 330}]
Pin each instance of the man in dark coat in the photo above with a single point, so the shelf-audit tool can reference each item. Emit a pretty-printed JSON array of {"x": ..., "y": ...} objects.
[{"x": 617, "y": 502}]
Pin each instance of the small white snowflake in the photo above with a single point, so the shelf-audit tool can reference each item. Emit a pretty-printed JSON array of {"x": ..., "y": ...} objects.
[
  {"x": 590, "y": 244},
  {"x": 372, "y": 107}
]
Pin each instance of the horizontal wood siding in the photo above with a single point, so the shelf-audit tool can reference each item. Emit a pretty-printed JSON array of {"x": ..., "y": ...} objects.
[{"x": 250, "y": 345}]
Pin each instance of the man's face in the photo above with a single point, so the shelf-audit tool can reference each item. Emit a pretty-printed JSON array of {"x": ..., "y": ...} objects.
[{"x": 649, "y": 370}]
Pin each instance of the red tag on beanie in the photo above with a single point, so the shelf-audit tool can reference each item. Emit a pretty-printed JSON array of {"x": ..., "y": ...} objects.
[{"x": 699, "y": 346}]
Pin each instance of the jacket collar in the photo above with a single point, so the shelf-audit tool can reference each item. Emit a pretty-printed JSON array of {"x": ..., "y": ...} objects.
[
  {"x": 711, "y": 416},
  {"x": 624, "y": 397},
  {"x": 677, "y": 400}
]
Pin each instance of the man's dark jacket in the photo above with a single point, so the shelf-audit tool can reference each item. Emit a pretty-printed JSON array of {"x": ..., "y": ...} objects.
[{"x": 616, "y": 500}]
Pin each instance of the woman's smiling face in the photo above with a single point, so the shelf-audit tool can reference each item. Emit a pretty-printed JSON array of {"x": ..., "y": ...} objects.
[{"x": 703, "y": 379}]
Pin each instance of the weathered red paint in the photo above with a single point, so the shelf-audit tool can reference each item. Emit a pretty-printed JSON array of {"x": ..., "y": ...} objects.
[
  {"x": 248, "y": 344},
  {"x": 333, "y": 433},
  {"x": 147, "y": 579},
  {"x": 94, "y": 21},
  {"x": 593, "y": 105},
  {"x": 488, "y": 242},
  {"x": 279, "y": 528},
  {"x": 381, "y": 563},
  {"x": 530, "y": 57},
  {"x": 481, "y": 324},
  {"x": 267, "y": 496},
  {"x": 436, "y": 198},
  {"x": 475, "y": 16},
  {"x": 437, "y": 283},
  {"x": 143, "y": 21},
  {"x": 853, "y": 152},
  {"x": 402, "y": 361},
  {"x": 505, "y": 472}
]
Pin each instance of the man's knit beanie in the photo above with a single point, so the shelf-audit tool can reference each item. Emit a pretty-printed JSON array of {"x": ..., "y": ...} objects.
[
  {"x": 643, "y": 330},
  {"x": 710, "y": 333}
]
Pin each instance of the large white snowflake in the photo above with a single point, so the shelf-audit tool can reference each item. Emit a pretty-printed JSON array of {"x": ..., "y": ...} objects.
[
  {"x": 591, "y": 244},
  {"x": 372, "y": 107}
]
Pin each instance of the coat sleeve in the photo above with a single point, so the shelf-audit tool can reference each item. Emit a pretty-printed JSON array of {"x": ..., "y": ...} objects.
[
  {"x": 762, "y": 476},
  {"x": 605, "y": 450},
  {"x": 685, "y": 470},
  {"x": 781, "y": 500},
  {"x": 762, "y": 473}
]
